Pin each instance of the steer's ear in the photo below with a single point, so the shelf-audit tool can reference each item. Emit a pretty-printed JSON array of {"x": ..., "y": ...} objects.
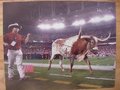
[
  {"x": 91, "y": 37},
  {"x": 92, "y": 41}
]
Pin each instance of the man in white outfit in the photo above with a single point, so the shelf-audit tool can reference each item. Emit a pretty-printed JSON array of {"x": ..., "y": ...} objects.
[{"x": 13, "y": 41}]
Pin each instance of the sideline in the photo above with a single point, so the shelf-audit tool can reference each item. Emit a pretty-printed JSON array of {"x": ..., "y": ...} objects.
[{"x": 83, "y": 67}]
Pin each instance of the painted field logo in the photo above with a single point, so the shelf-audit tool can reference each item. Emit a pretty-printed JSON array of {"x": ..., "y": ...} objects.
[{"x": 28, "y": 68}]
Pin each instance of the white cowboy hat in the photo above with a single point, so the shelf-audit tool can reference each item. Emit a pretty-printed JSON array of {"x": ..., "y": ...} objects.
[{"x": 14, "y": 25}]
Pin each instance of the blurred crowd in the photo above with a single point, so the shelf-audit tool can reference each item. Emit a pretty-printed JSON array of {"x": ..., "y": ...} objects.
[
  {"x": 43, "y": 51},
  {"x": 107, "y": 50}
]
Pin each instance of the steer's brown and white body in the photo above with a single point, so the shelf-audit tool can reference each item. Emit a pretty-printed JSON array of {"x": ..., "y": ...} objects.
[{"x": 75, "y": 47}]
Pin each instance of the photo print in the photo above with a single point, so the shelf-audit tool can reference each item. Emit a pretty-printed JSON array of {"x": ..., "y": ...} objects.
[{"x": 59, "y": 45}]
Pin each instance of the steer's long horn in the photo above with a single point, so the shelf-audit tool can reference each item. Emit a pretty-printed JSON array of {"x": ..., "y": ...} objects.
[{"x": 104, "y": 39}]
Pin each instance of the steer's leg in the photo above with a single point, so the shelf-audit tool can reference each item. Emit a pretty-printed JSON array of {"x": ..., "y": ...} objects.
[
  {"x": 72, "y": 62},
  {"x": 61, "y": 62},
  {"x": 89, "y": 64},
  {"x": 50, "y": 61}
]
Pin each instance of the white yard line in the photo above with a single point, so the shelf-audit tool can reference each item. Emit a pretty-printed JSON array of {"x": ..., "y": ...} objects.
[
  {"x": 100, "y": 78},
  {"x": 52, "y": 74}
]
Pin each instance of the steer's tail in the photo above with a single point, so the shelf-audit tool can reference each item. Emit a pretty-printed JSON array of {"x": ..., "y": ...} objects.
[
  {"x": 79, "y": 34},
  {"x": 53, "y": 53}
]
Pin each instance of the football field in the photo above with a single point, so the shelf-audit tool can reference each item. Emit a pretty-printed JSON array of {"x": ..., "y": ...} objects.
[{"x": 55, "y": 79}]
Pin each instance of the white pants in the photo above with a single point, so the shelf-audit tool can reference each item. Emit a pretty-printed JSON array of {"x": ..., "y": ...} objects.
[{"x": 15, "y": 56}]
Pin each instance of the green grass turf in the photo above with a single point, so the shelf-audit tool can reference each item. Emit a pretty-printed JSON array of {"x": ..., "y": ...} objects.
[
  {"x": 78, "y": 76},
  {"x": 108, "y": 61}
]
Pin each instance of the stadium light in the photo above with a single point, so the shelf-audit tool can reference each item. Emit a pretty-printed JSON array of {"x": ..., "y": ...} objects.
[
  {"x": 95, "y": 20},
  {"x": 99, "y": 19},
  {"x": 58, "y": 26},
  {"x": 108, "y": 17},
  {"x": 44, "y": 26},
  {"x": 80, "y": 22}
]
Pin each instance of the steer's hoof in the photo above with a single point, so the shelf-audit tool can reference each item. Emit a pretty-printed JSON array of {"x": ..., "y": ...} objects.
[
  {"x": 49, "y": 68},
  {"x": 91, "y": 72},
  {"x": 71, "y": 71},
  {"x": 63, "y": 70}
]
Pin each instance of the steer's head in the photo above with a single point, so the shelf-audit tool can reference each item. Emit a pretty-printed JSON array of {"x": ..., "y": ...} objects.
[{"x": 93, "y": 42}]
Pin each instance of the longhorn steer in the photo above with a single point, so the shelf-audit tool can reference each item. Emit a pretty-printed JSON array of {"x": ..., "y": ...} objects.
[{"x": 75, "y": 47}]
